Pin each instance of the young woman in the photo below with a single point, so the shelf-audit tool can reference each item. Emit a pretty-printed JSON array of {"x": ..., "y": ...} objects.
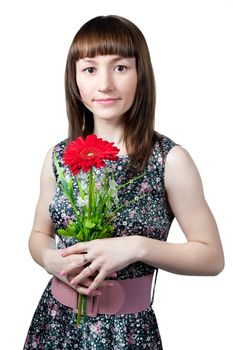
[{"x": 110, "y": 92}]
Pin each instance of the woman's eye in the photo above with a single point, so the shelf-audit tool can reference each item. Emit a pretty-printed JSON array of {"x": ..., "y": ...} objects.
[
  {"x": 120, "y": 68},
  {"x": 89, "y": 70}
]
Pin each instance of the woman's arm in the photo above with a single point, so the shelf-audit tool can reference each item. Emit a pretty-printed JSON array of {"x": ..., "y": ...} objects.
[
  {"x": 202, "y": 254},
  {"x": 42, "y": 237},
  {"x": 42, "y": 243}
]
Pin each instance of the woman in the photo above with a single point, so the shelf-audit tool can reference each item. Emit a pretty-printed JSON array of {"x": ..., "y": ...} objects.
[{"x": 110, "y": 92}]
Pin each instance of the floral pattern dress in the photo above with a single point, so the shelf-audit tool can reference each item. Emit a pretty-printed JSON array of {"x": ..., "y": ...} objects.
[{"x": 54, "y": 325}]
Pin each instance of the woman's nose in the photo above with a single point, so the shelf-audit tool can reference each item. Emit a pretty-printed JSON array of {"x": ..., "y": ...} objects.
[{"x": 105, "y": 82}]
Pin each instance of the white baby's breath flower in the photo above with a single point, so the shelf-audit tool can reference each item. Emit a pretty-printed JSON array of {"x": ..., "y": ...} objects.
[
  {"x": 67, "y": 177},
  {"x": 112, "y": 184},
  {"x": 115, "y": 199},
  {"x": 82, "y": 202},
  {"x": 98, "y": 186}
]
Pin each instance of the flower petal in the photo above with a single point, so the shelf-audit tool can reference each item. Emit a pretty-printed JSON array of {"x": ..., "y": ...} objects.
[{"x": 83, "y": 154}]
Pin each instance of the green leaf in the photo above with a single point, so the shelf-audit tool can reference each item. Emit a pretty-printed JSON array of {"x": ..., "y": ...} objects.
[
  {"x": 80, "y": 236},
  {"x": 61, "y": 175},
  {"x": 72, "y": 230},
  {"x": 67, "y": 188},
  {"x": 89, "y": 224},
  {"x": 80, "y": 188},
  {"x": 71, "y": 191},
  {"x": 64, "y": 232}
]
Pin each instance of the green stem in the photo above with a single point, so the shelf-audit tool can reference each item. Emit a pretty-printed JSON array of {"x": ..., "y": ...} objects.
[
  {"x": 84, "y": 308},
  {"x": 90, "y": 192},
  {"x": 122, "y": 206},
  {"x": 80, "y": 303},
  {"x": 75, "y": 209},
  {"x": 129, "y": 182}
]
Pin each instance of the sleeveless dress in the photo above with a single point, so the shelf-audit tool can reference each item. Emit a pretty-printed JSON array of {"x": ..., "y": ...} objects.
[{"x": 54, "y": 325}]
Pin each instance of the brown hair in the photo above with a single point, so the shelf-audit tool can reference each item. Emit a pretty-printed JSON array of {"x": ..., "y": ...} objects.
[{"x": 114, "y": 35}]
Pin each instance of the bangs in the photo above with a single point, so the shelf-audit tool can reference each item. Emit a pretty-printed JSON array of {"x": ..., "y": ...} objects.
[{"x": 103, "y": 36}]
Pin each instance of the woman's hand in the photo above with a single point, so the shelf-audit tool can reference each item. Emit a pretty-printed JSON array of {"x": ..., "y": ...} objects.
[
  {"x": 54, "y": 263},
  {"x": 103, "y": 256}
]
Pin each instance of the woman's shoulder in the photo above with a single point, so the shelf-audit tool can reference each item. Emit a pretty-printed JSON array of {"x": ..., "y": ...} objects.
[
  {"x": 162, "y": 146},
  {"x": 177, "y": 161},
  {"x": 57, "y": 151},
  {"x": 60, "y": 146},
  {"x": 164, "y": 141},
  {"x": 172, "y": 152}
]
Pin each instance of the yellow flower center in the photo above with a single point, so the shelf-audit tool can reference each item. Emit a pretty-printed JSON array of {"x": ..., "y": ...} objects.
[{"x": 89, "y": 154}]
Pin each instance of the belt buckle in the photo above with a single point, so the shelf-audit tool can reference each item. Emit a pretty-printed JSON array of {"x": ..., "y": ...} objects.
[{"x": 92, "y": 306}]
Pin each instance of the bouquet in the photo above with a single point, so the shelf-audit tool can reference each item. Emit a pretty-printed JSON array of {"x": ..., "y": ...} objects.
[{"x": 95, "y": 206}]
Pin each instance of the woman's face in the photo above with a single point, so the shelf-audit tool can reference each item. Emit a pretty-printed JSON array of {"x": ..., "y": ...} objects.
[{"x": 107, "y": 85}]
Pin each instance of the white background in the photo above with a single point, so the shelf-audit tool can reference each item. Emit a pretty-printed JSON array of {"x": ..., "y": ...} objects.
[{"x": 191, "y": 49}]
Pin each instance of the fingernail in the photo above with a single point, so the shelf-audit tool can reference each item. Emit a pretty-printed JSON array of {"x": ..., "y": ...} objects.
[
  {"x": 97, "y": 292},
  {"x": 109, "y": 284},
  {"x": 93, "y": 294},
  {"x": 62, "y": 251}
]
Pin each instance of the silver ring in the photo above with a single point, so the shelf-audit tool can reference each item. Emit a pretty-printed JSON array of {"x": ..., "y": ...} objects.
[{"x": 85, "y": 259}]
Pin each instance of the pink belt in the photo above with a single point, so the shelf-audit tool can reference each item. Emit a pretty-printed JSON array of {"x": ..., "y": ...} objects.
[{"x": 124, "y": 297}]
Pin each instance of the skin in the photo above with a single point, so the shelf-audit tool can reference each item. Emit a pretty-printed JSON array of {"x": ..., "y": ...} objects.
[{"x": 107, "y": 85}]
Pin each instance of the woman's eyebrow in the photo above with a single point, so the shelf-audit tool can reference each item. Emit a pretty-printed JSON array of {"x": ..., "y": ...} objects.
[{"x": 115, "y": 59}]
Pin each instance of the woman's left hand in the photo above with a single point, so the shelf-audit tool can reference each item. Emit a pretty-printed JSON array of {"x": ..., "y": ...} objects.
[{"x": 104, "y": 257}]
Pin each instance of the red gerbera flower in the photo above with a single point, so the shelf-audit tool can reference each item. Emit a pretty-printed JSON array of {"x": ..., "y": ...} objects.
[{"x": 83, "y": 154}]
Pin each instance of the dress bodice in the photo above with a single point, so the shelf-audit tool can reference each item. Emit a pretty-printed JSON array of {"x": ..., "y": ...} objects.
[{"x": 150, "y": 216}]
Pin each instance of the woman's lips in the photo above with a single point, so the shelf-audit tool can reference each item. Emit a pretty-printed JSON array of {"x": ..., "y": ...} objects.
[{"x": 106, "y": 101}]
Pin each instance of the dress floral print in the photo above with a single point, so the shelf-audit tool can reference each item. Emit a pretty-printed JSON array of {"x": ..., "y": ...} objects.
[{"x": 54, "y": 325}]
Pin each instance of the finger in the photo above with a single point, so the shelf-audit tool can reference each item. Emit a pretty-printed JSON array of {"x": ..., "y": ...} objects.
[
  {"x": 98, "y": 281},
  {"x": 88, "y": 282},
  {"x": 113, "y": 274},
  {"x": 76, "y": 249},
  {"x": 76, "y": 263},
  {"x": 82, "y": 276},
  {"x": 89, "y": 272},
  {"x": 85, "y": 291}
]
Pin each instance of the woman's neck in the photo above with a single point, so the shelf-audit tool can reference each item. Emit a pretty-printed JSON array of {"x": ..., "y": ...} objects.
[{"x": 111, "y": 133}]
